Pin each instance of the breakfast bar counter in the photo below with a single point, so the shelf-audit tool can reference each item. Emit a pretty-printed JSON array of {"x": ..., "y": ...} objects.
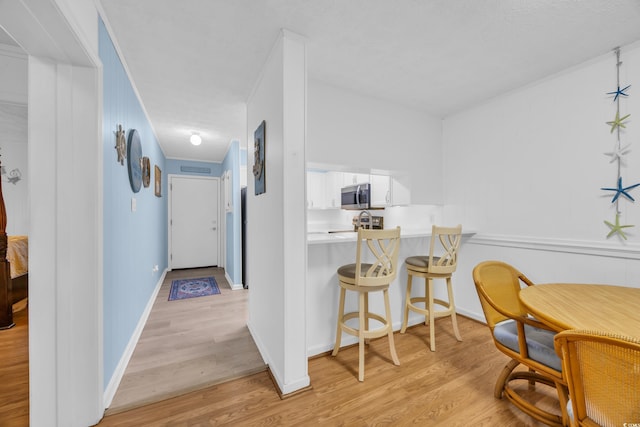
[{"x": 328, "y": 251}]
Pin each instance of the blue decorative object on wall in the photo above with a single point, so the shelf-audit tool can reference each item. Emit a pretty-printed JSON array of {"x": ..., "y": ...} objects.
[
  {"x": 619, "y": 92},
  {"x": 134, "y": 160},
  {"x": 620, "y": 190}
]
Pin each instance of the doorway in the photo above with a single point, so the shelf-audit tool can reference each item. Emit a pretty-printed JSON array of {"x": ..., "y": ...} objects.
[{"x": 193, "y": 222}]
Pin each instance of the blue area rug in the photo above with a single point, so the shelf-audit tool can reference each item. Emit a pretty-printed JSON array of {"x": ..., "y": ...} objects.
[{"x": 192, "y": 288}]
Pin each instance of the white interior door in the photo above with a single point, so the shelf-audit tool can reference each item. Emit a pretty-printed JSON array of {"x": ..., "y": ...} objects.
[{"x": 193, "y": 222}]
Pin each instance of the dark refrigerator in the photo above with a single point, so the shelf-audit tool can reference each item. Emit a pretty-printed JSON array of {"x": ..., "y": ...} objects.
[{"x": 243, "y": 216}]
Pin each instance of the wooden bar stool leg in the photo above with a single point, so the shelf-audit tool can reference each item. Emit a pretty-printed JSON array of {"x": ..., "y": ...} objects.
[
  {"x": 361, "y": 330},
  {"x": 407, "y": 304},
  {"x": 452, "y": 308},
  {"x": 336, "y": 347},
  {"x": 366, "y": 315},
  {"x": 429, "y": 304},
  {"x": 392, "y": 346}
]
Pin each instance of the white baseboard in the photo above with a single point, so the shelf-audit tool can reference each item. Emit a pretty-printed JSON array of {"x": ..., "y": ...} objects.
[
  {"x": 234, "y": 286},
  {"x": 112, "y": 387},
  {"x": 471, "y": 315}
]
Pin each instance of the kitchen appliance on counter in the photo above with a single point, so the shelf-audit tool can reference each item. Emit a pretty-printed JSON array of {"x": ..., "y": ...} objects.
[
  {"x": 374, "y": 222},
  {"x": 356, "y": 197}
]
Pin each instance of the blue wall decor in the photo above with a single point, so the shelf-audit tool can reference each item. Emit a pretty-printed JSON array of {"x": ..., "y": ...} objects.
[{"x": 134, "y": 160}]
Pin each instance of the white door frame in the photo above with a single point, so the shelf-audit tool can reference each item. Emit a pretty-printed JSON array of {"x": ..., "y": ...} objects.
[
  {"x": 65, "y": 124},
  {"x": 222, "y": 232},
  {"x": 169, "y": 181}
]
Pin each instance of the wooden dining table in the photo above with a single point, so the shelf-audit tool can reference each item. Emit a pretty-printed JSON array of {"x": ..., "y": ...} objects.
[{"x": 562, "y": 306}]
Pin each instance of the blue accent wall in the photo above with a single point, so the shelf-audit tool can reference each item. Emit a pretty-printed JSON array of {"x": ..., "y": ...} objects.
[
  {"x": 233, "y": 220},
  {"x": 134, "y": 242}
]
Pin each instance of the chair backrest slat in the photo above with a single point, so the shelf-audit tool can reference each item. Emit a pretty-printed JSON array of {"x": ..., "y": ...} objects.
[
  {"x": 443, "y": 249},
  {"x": 383, "y": 249}
]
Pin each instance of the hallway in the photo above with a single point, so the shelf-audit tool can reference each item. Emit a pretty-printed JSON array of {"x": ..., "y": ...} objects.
[{"x": 189, "y": 344}]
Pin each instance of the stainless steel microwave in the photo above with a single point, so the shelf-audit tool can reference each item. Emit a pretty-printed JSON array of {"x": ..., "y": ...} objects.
[{"x": 357, "y": 196}]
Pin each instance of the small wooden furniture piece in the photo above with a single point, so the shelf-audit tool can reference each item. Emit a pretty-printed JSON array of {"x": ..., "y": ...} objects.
[
  {"x": 375, "y": 268},
  {"x": 6, "y": 294},
  {"x": 603, "y": 375},
  {"x": 439, "y": 264},
  {"x": 524, "y": 339}
]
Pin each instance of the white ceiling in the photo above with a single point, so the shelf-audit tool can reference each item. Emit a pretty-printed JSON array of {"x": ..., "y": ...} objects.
[{"x": 194, "y": 62}]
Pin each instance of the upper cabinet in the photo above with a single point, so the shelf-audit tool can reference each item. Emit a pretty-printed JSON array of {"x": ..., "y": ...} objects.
[
  {"x": 390, "y": 190},
  {"x": 400, "y": 190},
  {"x": 333, "y": 185},
  {"x": 323, "y": 188},
  {"x": 351, "y": 178},
  {"x": 316, "y": 188},
  {"x": 380, "y": 190}
]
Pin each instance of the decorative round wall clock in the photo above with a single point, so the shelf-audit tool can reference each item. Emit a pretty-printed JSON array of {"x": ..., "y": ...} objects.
[{"x": 134, "y": 160}]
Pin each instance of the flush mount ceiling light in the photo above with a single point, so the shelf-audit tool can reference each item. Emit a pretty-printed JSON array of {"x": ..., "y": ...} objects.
[{"x": 195, "y": 138}]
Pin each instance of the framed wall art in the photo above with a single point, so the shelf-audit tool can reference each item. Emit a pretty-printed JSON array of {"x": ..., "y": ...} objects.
[
  {"x": 157, "y": 177},
  {"x": 259, "y": 164},
  {"x": 146, "y": 172}
]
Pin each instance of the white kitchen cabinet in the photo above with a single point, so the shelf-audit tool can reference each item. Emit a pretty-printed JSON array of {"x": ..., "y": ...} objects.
[
  {"x": 316, "y": 189},
  {"x": 400, "y": 190},
  {"x": 333, "y": 185},
  {"x": 390, "y": 190},
  {"x": 380, "y": 190},
  {"x": 324, "y": 188},
  {"x": 351, "y": 178}
]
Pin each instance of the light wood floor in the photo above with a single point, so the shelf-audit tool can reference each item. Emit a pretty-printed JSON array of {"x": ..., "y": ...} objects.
[
  {"x": 451, "y": 387},
  {"x": 189, "y": 344},
  {"x": 14, "y": 372}
]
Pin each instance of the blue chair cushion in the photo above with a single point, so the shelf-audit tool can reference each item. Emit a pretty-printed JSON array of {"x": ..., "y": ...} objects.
[{"x": 539, "y": 342}]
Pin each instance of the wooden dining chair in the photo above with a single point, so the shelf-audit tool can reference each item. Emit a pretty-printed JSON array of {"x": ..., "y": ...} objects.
[
  {"x": 441, "y": 263},
  {"x": 525, "y": 340},
  {"x": 603, "y": 375},
  {"x": 375, "y": 268}
]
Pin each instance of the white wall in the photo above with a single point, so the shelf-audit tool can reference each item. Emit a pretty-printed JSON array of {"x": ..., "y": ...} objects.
[
  {"x": 276, "y": 239},
  {"x": 13, "y": 67},
  {"x": 525, "y": 171},
  {"x": 345, "y": 128}
]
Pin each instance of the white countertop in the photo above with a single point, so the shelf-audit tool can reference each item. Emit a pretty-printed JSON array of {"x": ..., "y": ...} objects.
[
  {"x": 314, "y": 238},
  {"x": 320, "y": 237}
]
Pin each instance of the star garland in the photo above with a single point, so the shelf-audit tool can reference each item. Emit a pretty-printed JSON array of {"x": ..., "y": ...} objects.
[{"x": 617, "y": 155}]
